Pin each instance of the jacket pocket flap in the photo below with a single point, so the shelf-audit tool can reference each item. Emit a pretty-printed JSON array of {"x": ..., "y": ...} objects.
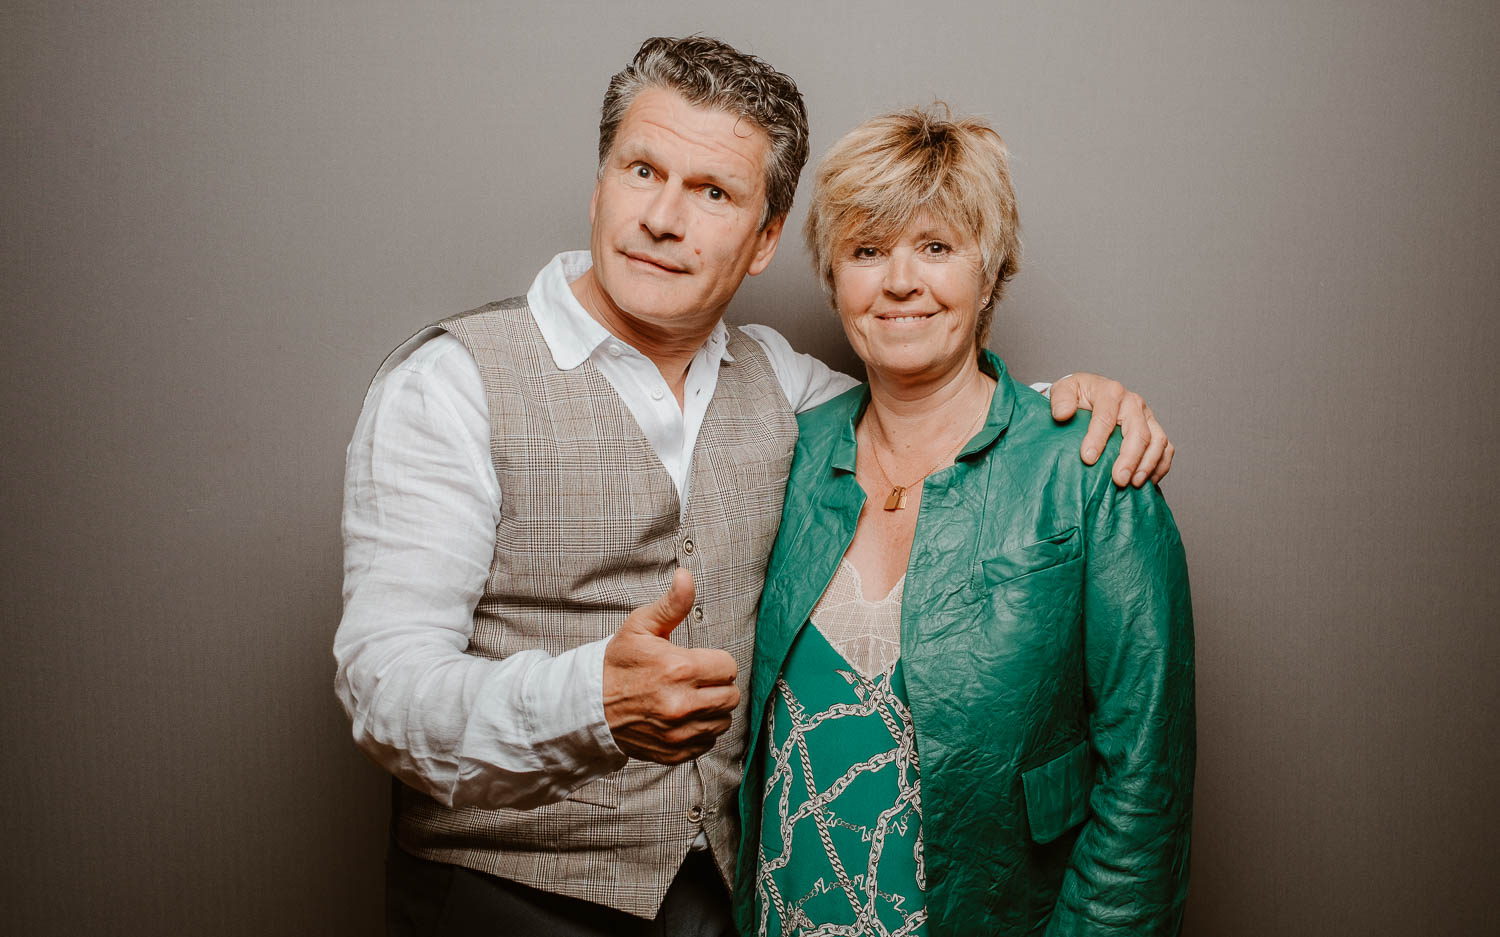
[
  {"x": 601, "y": 792},
  {"x": 1057, "y": 792},
  {"x": 1016, "y": 562}
]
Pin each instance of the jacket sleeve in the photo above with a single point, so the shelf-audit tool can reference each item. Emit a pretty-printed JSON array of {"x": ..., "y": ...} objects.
[{"x": 1128, "y": 872}]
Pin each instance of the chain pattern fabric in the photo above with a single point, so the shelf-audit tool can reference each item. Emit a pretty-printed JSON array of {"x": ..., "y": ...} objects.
[{"x": 841, "y": 827}]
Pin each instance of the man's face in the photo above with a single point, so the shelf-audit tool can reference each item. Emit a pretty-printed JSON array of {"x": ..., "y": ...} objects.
[{"x": 676, "y": 217}]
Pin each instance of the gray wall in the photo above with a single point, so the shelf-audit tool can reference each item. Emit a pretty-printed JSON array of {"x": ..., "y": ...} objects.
[{"x": 1277, "y": 220}]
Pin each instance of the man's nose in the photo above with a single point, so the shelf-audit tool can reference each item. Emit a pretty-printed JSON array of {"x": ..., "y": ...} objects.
[{"x": 663, "y": 217}]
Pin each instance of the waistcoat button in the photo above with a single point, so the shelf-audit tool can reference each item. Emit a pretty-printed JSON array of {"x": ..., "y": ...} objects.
[
  {"x": 695, "y": 813},
  {"x": 697, "y": 613},
  {"x": 688, "y": 548}
]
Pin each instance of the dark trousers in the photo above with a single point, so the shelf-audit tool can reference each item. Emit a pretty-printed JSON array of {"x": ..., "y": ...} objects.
[{"x": 426, "y": 899}]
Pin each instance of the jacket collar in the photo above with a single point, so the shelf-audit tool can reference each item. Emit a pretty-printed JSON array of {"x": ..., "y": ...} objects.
[{"x": 1002, "y": 404}]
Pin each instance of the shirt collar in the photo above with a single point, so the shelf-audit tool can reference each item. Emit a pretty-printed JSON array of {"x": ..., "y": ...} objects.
[{"x": 571, "y": 334}]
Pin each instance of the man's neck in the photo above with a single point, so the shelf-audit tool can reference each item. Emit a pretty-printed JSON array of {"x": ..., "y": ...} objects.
[{"x": 671, "y": 350}]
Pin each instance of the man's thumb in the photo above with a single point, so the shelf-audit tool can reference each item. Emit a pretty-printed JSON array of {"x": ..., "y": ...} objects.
[{"x": 667, "y": 612}]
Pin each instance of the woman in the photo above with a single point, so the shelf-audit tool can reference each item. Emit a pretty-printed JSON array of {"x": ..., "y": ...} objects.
[{"x": 973, "y": 671}]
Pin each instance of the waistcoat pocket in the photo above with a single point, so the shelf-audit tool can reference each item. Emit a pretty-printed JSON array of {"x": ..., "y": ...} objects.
[{"x": 601, "y": 792}]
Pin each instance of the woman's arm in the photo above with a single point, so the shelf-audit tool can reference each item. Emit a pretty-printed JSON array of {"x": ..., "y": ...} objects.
[{"x": 1129, "y": 869}]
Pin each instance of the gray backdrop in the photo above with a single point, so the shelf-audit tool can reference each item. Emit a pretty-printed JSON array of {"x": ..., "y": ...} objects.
[{"x": 1275, "y": 219}]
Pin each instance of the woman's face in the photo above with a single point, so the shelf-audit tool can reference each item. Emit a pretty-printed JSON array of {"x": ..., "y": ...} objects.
[{"x": 910, "y": 308}]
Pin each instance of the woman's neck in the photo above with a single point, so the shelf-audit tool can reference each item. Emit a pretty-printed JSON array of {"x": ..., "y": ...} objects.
[{"x": 919, "y": 421}]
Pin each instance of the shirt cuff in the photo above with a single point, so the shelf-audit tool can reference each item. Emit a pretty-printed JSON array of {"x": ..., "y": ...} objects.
[
  {"x": 591, "y": 659},
  {"x": 564, "y": 702}
]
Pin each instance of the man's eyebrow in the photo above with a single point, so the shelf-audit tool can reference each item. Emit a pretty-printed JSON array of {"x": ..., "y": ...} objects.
[{"x": 734, "y": 182}]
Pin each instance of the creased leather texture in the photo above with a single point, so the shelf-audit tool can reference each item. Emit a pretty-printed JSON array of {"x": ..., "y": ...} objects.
[{"x": 1048, "y": 646}]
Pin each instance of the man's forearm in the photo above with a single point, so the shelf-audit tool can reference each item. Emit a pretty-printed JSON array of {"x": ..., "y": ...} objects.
[{"x": 469, "y": 731}]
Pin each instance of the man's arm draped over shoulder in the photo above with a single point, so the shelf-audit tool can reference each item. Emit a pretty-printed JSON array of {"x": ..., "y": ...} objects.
[{"x": 421, "y": 504}]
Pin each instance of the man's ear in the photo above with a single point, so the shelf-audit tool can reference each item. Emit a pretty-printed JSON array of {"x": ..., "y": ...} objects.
[
  {"x": 765, "y": 247},
  {"x": 594, "y": 200}
]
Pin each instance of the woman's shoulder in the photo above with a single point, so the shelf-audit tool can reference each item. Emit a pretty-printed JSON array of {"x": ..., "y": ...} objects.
[{"x": 1037, "y": 444}]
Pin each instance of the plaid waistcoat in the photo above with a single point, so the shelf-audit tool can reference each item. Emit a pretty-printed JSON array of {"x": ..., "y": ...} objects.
[{"x": 590, "y": 529}]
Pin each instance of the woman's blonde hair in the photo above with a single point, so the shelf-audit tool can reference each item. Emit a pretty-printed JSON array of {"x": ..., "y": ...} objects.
[{"x": 886, "y": 171}]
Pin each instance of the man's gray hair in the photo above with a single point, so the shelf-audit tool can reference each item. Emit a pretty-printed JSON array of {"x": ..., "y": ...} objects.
[{"x": 711, "y": 73}]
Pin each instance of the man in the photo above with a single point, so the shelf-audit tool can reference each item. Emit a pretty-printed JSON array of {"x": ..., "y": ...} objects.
[{"x": 541, "y": 490}]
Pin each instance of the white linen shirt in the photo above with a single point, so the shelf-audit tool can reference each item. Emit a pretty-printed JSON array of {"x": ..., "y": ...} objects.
[{"x": 421, "y": 503}]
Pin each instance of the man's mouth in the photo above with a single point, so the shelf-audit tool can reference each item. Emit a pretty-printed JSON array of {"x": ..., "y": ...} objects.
[{"x": 657, "y": 263}]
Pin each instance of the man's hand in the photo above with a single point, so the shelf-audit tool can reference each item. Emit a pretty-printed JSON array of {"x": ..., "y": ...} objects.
[
  {"x": 1145, "y": 452},
  {"x": 666, "y": 703}
]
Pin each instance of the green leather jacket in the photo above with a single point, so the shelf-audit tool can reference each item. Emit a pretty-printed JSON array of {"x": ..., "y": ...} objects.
[{"x": 1046, "y": 634}]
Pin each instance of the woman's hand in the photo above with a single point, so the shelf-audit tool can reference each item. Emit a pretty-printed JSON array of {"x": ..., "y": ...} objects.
[{"x": 1145, "y": 451}]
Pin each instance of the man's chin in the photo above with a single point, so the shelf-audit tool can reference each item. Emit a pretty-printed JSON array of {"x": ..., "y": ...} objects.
[{"x": 650, "y": 304}]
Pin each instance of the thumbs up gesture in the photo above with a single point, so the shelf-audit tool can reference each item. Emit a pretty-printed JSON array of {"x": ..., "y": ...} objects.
[{"x": 666, "y": 703}]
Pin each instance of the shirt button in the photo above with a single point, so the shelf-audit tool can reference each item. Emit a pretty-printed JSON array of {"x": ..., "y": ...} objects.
[
  {"x": 616, "y": 350},
  {"x": 657, "y": 395},
  {"x": 697, "y": 613},
  {"x": 695, "y": 813},
  {"x": 688, "y": 547}
]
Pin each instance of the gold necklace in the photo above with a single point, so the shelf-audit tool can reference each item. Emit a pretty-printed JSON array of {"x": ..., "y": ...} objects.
[{"x": 896, "y": 501}]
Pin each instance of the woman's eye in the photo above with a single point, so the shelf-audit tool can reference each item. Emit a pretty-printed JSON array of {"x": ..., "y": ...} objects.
[
  {"x": 936, "y": 248},
  {"x": 864, "y": 253}
]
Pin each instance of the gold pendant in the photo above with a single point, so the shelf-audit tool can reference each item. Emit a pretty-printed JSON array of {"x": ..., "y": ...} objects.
[{"x": 897, "y": 500}]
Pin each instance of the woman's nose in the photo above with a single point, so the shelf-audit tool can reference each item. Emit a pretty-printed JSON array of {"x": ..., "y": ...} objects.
[{"x": 901, "y": 275}]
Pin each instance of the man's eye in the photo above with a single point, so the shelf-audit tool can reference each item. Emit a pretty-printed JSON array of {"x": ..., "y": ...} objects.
[
  {"x": 643, "y": 172},
  {"x": 715, "y": 194}
]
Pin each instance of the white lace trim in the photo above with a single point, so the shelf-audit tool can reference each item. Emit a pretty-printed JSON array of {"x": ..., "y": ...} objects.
[{"x": 866, "y": 633}]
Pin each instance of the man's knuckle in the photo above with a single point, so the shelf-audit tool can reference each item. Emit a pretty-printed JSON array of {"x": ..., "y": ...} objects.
[
  {"x": 675, "y": 707},
  {"x": 678, "y": 670}
]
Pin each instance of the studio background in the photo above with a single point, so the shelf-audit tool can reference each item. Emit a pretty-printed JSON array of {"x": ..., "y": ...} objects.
[{"x": 1277, "y": 220}]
